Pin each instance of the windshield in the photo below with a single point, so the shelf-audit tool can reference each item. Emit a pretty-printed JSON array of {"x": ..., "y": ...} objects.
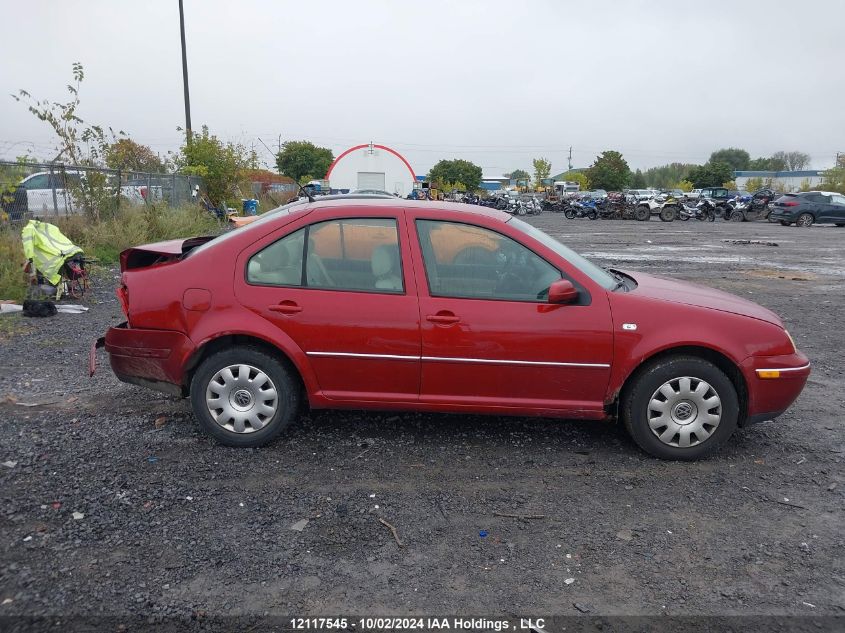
[{"x": 596, "y": 273}]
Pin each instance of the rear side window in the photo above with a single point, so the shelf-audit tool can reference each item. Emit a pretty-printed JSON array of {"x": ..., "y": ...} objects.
[
  {"x": 839, "y": 200},
  {"x": 279, "y": 264},
  {"x": 359, "y": 254},
  {"x": 354, "y": 254}
]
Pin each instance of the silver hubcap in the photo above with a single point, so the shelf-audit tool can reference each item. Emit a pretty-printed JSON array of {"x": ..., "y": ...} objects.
[
  {"x": 684, "y": 412},
  {"x": 241, "y": 398}
]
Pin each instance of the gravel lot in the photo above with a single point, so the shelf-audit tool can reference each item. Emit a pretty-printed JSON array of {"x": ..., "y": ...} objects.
[{"x": 169, "y": 523}]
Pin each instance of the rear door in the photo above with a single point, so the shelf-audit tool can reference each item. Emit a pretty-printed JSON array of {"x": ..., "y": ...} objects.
[{"x": 342, "y": 288}]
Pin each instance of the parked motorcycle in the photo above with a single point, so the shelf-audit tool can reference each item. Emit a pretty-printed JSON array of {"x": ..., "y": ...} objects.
[
  {"x": 585, "y": 209},
  {"x": 698, "y": 212}
]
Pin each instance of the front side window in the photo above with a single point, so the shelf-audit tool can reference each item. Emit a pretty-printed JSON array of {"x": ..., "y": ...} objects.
[{"x": 472, "y": 262}]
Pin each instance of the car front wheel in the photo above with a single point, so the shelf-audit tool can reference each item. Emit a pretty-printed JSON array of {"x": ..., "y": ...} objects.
[
  {"x": 680, "y": 408},
  {"x": 243, "y": 397}
]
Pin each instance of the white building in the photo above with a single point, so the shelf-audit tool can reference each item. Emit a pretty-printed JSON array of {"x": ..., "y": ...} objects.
[
  {"x": 781, "y": 180},
  {"x": 371, "y": 166}
]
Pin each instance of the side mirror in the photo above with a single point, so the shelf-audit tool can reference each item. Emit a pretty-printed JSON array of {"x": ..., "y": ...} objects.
[{"x": 562, "y": 291}]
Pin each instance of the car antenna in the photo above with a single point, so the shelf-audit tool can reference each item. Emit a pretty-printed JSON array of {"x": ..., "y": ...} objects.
[{"x": 307, "y": 194}]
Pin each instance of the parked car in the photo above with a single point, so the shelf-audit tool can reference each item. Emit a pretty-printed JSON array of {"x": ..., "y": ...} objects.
[
  {"x": 439, "y": 307},
  {"x": 48, "y": 194},
  {"x": 807, "y": 208},
  {"x": 694, "y": 194},
  {"x": 639, "y": 195}
]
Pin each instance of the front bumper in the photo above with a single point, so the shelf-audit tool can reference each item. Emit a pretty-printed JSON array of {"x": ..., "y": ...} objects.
[
  {"x": 151, "y": 358},
  {"x": 774, "y": 383}
]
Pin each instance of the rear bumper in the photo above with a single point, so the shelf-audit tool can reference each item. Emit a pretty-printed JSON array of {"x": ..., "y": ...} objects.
[
  {"x": 786, "y": 216},
  {"x": 151, "y": 358},
  {"x": 774, "y": 383}
]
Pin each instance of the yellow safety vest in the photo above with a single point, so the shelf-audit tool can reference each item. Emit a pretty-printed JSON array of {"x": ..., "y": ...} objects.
[{"x": 48, "y": 248}]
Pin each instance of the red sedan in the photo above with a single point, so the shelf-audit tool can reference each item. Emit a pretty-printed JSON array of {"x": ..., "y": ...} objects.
[{"x": 392, "y": 304}]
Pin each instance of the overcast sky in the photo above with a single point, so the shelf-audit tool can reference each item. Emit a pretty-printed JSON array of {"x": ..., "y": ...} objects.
[{"x": 495, "y": 82}]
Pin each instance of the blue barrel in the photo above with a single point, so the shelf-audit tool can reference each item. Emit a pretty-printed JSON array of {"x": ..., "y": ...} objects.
[{"x": 250, "y": 207}]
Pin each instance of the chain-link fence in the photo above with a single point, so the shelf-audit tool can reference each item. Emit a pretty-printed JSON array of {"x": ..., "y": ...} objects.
[{"x": 49, "y": 190}]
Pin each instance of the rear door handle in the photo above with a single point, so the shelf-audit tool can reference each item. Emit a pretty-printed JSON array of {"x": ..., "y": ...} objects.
[
  {"x": 285, "y": 307},
  {"x": 444, "y": 319}
]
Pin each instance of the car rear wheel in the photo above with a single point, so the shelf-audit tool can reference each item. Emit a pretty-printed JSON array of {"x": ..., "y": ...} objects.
[
  {"x": 680, "y": 408},
  {"x": 804, "y": 220},
  {"x": 243, "y": 397}
]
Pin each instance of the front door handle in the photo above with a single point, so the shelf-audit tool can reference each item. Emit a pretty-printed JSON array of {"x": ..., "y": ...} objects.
[
  {"x": 285, "y": 307},
  {"x": 443, "y": 318}
]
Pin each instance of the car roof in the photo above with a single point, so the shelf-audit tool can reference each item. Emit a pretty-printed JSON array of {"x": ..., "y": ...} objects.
[{"x": 379, "y": 201}]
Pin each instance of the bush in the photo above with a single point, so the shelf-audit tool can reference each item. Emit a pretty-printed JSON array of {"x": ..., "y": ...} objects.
[{"x": 105, "y": 239}]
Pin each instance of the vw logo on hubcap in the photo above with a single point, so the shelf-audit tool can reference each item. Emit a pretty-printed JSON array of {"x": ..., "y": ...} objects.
[
  {"x": 683, "y": 411},
  {"x": 242, "y": 398}
]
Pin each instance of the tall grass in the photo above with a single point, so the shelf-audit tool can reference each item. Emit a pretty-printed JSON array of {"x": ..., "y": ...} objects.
[{"x": 105, "y": 239}]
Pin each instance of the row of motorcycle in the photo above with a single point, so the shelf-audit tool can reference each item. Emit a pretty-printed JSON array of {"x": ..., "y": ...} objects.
[{"x": 620, "y": 207}]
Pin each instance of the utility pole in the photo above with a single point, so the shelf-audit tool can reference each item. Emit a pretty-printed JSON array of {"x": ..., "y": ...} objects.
[
  {"x": 185, "y": 75},
  {"x": 570, "y": 154}
]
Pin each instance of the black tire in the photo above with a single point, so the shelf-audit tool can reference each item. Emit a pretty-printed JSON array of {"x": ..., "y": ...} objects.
[
  {"x": 637, "y": 396},
  {"x": 840, "y": 224},
  {"x": 592, "y": 214},
  {"x": 667, "y": 214},
  {"x": 711, "y": 217},
  {"x": 286, "y": 401},
  {"x": 805, "y": 220},
  {"x": 569, "y": 214},
  {"x": 736, "y": 216},
  {"x": 785, "y": 223},
  {"x": 642, "y": 214}
]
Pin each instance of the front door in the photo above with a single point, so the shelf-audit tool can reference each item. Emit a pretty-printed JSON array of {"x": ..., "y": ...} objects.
[
  {"x": 489, "y": 336},
  {"x": 339, "y": 289}
]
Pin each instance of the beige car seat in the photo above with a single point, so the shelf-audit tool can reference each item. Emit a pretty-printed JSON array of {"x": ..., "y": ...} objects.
[{"x": 385, "y": 266}]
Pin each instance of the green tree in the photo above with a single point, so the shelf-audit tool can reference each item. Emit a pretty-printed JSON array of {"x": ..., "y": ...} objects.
[
  {"x": 542, "y": 169},
  {"x": 711, "y": 175},
  {"x": 609, "y": 171},
  {"x": 638, "y": 180},
  {"x": 738, "y": 159},
  {"x": 458, "y": 170},
  {"x": 518, "y": 174},
  {"x": 126, "y": 154},
  {"x": 577, "y": 176},
  {"x": 79, "y": 143},
  {"x": 303, "y": 158},
  {"x": 767, "y": 164},
  {"x": 834, "y": 179},
  {"x": 753, "y": 184},
  {"x": 222, "y": 166},
  {"x": 792, "y": 161},
  {"x": 684, "y": 185},
  {"x": 665, "y": 176}
]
